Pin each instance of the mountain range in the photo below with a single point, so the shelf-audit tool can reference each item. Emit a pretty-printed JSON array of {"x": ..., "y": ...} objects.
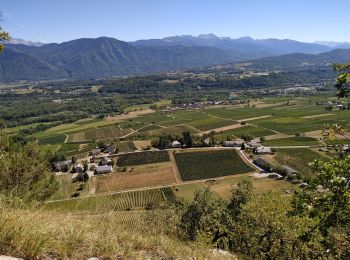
[{"x": 106, "y": 57}]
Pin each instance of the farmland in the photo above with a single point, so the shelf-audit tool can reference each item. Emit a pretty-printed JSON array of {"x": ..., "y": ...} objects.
[
  {"x": 139, "y": 158},
  {"x": 136, "y": 177},
  {"x": 252, "y": 131},
  {"x": 276, "y": 119},
  {"x": 173, "y": 130},
  {"x": 125, "y": 146},
  {"x": 292, "y": 141},
  {"x": 106, "y": 132},
  {"x": 210, "y": 164},
  {"x": 299, "y": 159},
  {"x": 118, "y": 201}
]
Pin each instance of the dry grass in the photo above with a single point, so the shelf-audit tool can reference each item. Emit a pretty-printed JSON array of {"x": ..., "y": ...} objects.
[
  {"x": 140, "y": 145},
  {"x": 141, "y": 176},
  {"x": 33, "y": 234}
]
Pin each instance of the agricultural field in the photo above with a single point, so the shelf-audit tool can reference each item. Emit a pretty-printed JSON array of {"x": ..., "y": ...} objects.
[
  {"x": 140, "y": 158},
  {"x": 149, "y": 128},
  {"x": 293, "y": 124},
  {"x": 292, "y": 141},
  {"x": 210, "y": 123},
  {"x": 253, "y": 131},
  {"x": 53, "y": 139},
  {"x": 223, "y": 187},
  {"x": 135, "y": 177},
  {"x": 240, "y": 113},
  {"x": 107, "y": 132},
  {"x": 119, "y": 201},
  {"x": 125, "y": 146},
  {"x": 198, "y": 165},
  {"x": 64, "y": 148},
  {"x": 299, "y": 159},
  {"x": 174, "y": 130}
]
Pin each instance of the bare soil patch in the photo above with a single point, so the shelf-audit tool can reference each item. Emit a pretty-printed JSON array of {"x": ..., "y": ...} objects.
[
  {"x": 253, "y": 118},
  {"x": 132, "y": 114},
  {"x": 277, "y": 136},
  {"x": 140, "y": 145},
  {"x": 316, "y": 116},
  {"x": 141, "y": 176},
  {"x": 224, "y": 128}
]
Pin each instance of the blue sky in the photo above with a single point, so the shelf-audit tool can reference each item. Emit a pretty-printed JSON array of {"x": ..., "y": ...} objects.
[{"x": 63, "y": 20}]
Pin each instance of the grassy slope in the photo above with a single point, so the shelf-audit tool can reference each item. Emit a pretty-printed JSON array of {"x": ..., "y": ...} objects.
[{"x": 34, "y": 233}]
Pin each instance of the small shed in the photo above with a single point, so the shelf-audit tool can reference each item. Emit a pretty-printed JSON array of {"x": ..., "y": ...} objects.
[
  {"x": 176, "y": 144},
  {"x": 234, "y": 143},
  {"x": 104, "y": 161},
  {"x": 263, "y": 164},
  {"x": 289, "y": 170},
  {"x": 78, "y": 167},
  {"x": 111, "y": 149},
  {"x": 96, "y": 151},
  {"x": 263, "y": 150},
  {"x": 103, "y": 169},
  {"x": 62, "y": 166}
]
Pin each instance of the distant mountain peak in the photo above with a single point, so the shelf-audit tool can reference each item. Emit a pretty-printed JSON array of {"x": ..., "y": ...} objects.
[
  {"x": 245, "y": 38},
  {"x": 24, "y": 42},
  {"x": 208, "y": 36}
]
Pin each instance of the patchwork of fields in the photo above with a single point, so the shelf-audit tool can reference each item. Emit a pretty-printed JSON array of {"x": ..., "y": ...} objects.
[{"x": 277, "y": 119}]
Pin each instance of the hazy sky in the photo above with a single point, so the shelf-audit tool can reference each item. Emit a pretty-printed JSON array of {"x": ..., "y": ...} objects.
[{"x": 63, "y": 20}]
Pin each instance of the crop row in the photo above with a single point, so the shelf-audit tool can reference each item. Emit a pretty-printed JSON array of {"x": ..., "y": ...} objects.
[
  {"x": 210, "y": 164},
  {"x": 139, "y": 158}
]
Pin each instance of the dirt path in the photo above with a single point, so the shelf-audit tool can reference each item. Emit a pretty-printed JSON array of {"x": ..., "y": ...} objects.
[
  {"x": 217, "y": 117},
  {"x": 175, "y": 169},
  {"x": 224, "y": 128},
  {"x": 132, "y": 114},
  {"x": 253, "y": 118},
  {"x": 133, "y": 132},
  {"x": 316, "y": 116}
]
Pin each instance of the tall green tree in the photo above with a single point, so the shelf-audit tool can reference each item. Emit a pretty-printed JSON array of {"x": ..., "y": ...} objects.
[
  {"x": 4, "y": 36},
  {"x": 343, "y": 79},
  {"x": 327, "y": 201},
  {"x": 187, "y": 138}
]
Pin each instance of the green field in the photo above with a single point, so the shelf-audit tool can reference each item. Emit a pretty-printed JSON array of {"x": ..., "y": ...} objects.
[
  {"x": 119, "y": 201},
  {"x": 299, "y": 159},
  {"x": 210, "y": 164},
  {"x": 292, "y": 141},
  {"x": 64, "y": 148},
  {"x": 240, "y": 113},
  {"x": 53, "y": 139},
  {"x": 292, "y": 123},
  {"x": 245, "y": 130},
  {"x": 106, "y": 132},
  {"x": 173, "y": 130},
  {"x": 149, "y": 128},
  {"x": 140, "y": 158},
  {"x": 210, "y": 123}
]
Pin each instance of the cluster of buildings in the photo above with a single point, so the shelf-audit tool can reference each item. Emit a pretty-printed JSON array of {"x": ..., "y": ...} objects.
[
  {"x": 334, "y": 105},
  {"x": 254, "y": 145}
]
